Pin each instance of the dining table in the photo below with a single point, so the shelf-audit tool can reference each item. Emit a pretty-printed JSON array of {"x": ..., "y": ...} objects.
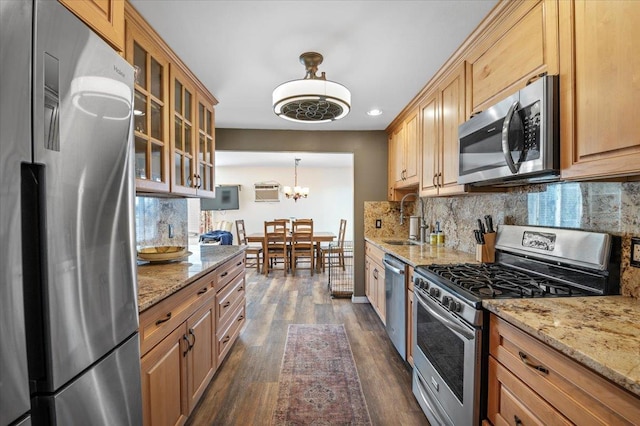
[{"x": 318, "y": 236}]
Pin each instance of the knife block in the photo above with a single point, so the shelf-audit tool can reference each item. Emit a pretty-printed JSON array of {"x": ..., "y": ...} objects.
[{"x": 486, "y": 253}]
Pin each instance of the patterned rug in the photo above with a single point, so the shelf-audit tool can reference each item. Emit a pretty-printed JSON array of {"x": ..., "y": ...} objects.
[{"x": 319, "y": 383}]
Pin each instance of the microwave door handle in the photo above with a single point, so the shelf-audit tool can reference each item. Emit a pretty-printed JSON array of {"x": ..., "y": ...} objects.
[{"x": 505, "y": 139}]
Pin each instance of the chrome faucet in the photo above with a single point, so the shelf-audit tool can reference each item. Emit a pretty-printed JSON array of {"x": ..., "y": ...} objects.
[{"x": 423, "y": 226}]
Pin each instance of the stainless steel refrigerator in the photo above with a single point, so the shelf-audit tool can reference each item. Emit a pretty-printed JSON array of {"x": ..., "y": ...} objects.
[{"x": 69, "y": 350}]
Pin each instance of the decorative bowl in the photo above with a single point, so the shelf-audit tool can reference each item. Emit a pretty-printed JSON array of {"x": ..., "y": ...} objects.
[{"x": 162, "y": 253}]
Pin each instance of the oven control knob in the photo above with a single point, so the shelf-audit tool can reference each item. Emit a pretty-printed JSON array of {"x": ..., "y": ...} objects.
[
  {"x": 435, "y": 292},
  {"x": 445, "y": 300},
  {"x": 422, "y": 284},
  {"x": 454, "y": 306}
]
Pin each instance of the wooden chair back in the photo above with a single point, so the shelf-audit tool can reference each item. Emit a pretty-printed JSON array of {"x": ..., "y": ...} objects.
[
  {"x": 252, "y": 252},
  {"x": 241, "y": 231},
  {"x": 302, "y": 243},
  {"x": 342, "y": 231},
  {"x": 275, "y": 245}
]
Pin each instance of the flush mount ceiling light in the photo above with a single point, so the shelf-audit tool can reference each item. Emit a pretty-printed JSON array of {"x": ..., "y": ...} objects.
[
  {"x": 313, "y": 99},
  {"x": 296, "y": 192}
]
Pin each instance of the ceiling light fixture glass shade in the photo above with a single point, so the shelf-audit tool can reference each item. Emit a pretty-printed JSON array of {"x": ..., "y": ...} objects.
[
  {"x": 313, "y": 99},
  {"x": 296, "y": 192}
]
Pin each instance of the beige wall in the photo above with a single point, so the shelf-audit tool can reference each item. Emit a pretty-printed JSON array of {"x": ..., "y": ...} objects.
[{"x": 369, "y": 163}]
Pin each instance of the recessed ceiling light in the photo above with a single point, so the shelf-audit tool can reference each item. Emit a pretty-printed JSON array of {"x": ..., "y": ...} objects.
[{"x": 374, "y": 112}]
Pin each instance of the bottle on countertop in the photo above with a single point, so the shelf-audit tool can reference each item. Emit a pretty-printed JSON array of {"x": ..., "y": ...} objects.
[{"x": 433, "y": 237}]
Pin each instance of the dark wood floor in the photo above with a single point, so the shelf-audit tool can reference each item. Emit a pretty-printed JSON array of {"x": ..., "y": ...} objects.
[{"x": 245, "y": 388}]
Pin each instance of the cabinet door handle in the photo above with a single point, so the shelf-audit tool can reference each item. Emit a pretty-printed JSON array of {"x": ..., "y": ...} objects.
[
  {"x": 240, "y": 288},
  {"x": 433, "y": 180},
  {"x": 194, "y": 339},
  {"x": 440, "y": 180},
  {"x": 199, "y": 181},
  {"x": 186, "y": 339},
  {"x": 240, "y": 318},
  {"x": 525, "y": 359},
  {"x": 239, "y": 263},
  {"x": 165, "y": 319},
  {"x": 203, "y": 291},
  {"x": 224, "y": 275},
  {"x": 226, "y": 304},
  {"x": 226, "y": 339}
]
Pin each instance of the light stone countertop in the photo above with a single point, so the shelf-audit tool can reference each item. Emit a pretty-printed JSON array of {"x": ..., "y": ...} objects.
[
  {"x": 425, "y": 254},
  {"x": 601, "y": 332},
  {"x": 157, "y": 281}
]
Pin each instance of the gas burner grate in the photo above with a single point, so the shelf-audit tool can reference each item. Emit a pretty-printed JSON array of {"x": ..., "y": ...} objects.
[{"x": 494, "y": 280}]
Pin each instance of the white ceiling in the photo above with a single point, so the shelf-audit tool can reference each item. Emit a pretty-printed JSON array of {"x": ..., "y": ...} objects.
[{"x": 383, "y": 51}]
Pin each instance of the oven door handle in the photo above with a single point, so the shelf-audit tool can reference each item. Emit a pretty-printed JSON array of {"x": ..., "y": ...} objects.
[
  {"x": 447, "y": 322},
  {"x": 506, "y": 150}
]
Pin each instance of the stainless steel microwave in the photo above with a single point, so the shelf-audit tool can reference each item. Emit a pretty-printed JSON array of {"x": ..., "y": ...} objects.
[{"x": 515, "y": 141}]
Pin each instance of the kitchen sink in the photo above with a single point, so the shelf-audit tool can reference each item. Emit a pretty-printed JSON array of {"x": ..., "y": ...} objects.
[{"x": 402, "y": 242}]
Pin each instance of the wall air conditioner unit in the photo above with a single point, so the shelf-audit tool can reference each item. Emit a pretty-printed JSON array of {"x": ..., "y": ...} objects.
[{"x": 267, "y": 192}]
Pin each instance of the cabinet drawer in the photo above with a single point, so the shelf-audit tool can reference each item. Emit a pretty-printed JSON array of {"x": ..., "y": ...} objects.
[
  {"x": 374, "y": 253},
  {"x": 512, "y": 402},
  {"x": 577, "y": 392},
  {"x": 229, "y": 335},
  {"x": 228, "y": 299},
  {"x": 224, "y": 274},
  {"x": 160, "y": 319}
]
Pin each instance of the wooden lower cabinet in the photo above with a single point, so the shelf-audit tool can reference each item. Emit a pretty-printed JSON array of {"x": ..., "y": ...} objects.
[
  {"x": 374, "y": 280},
  {"x": 531, "y": 383},
  {"x": 185, "y": 339},
  {"x": 164, "y": 378},
  {"x": 201, "y": 356}
]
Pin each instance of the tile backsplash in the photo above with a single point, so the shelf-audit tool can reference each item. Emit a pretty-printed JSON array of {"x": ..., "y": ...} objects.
[
  {"x": 154, "y": 217},
  {"x": 603, "y": 207}
]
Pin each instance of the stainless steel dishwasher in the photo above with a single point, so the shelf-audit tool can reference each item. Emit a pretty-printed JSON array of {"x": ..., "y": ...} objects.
[{"x": 396, "y": 302}]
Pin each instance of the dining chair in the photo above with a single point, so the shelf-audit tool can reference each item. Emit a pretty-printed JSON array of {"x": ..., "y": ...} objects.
[
  {"x": 302, "y": 244},
  {"x": 275, "y": 246},
  {"x": 252, "y": 252},
  {"x": 335, "y": 251}
]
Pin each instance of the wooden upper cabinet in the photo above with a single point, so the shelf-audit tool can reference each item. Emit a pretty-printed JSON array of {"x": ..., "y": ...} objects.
[
  {"x": 599, "y": 89},
  {"x": 174, "y": 117},
  {"x": 442, "y": 111},
  {"x": 518, "y": 46},
  {"x": 184, "y": 179},
  {"x": 105, "y": 17},
  {"x": 151, "y": 129},
  {"x": 452, "y": 113},
  {"x": 206, "y": 147},
  {"x": 430, "y": 145},
  {"x": 403, "y": 152}
]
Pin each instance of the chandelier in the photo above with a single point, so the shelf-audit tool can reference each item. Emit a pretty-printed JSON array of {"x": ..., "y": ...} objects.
[
  {"x": 297, "y": 191},
  {"x": 313, "y": 99}
]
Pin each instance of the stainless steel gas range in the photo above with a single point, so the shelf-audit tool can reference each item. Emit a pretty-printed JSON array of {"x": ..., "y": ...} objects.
[{"x": 451, "y": 345}]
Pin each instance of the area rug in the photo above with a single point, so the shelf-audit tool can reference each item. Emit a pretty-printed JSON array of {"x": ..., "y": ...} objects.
[{"x": 319, "y": 383}]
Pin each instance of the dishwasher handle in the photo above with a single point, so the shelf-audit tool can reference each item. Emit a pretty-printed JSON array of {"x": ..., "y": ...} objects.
[{"x": 392, "y": 268}]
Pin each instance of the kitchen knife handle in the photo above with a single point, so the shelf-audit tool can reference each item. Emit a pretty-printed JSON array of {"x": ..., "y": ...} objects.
[
  {"x": 489, "y": 221},
  {"x": 481, "y": 226}
]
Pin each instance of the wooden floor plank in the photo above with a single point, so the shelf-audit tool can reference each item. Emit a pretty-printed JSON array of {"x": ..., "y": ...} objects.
[{"x": 244, "y": 390}]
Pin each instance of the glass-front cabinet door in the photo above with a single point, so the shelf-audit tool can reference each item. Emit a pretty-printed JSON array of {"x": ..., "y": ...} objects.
[
  {"x": 184, "y": 156},
  {"x": 151, "y": 132},
  {"x": 206, "y": 148}
]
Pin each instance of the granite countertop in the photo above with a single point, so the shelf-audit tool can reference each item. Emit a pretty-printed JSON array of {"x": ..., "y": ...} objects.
[
  {"x": 424, "y": 254},
  {"x": 156, "y": 281},
  {"x": 601, "y": 332}
]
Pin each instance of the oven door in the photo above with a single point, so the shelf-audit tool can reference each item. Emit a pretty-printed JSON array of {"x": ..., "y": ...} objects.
[{"x": 447, "y": 364}]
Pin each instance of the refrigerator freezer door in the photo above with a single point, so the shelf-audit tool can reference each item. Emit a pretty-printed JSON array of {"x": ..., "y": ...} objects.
[
  {"x": 104, "y": 395},
  {"x": 15, "y": 136},
  {"x": 82, "y": 122}
]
